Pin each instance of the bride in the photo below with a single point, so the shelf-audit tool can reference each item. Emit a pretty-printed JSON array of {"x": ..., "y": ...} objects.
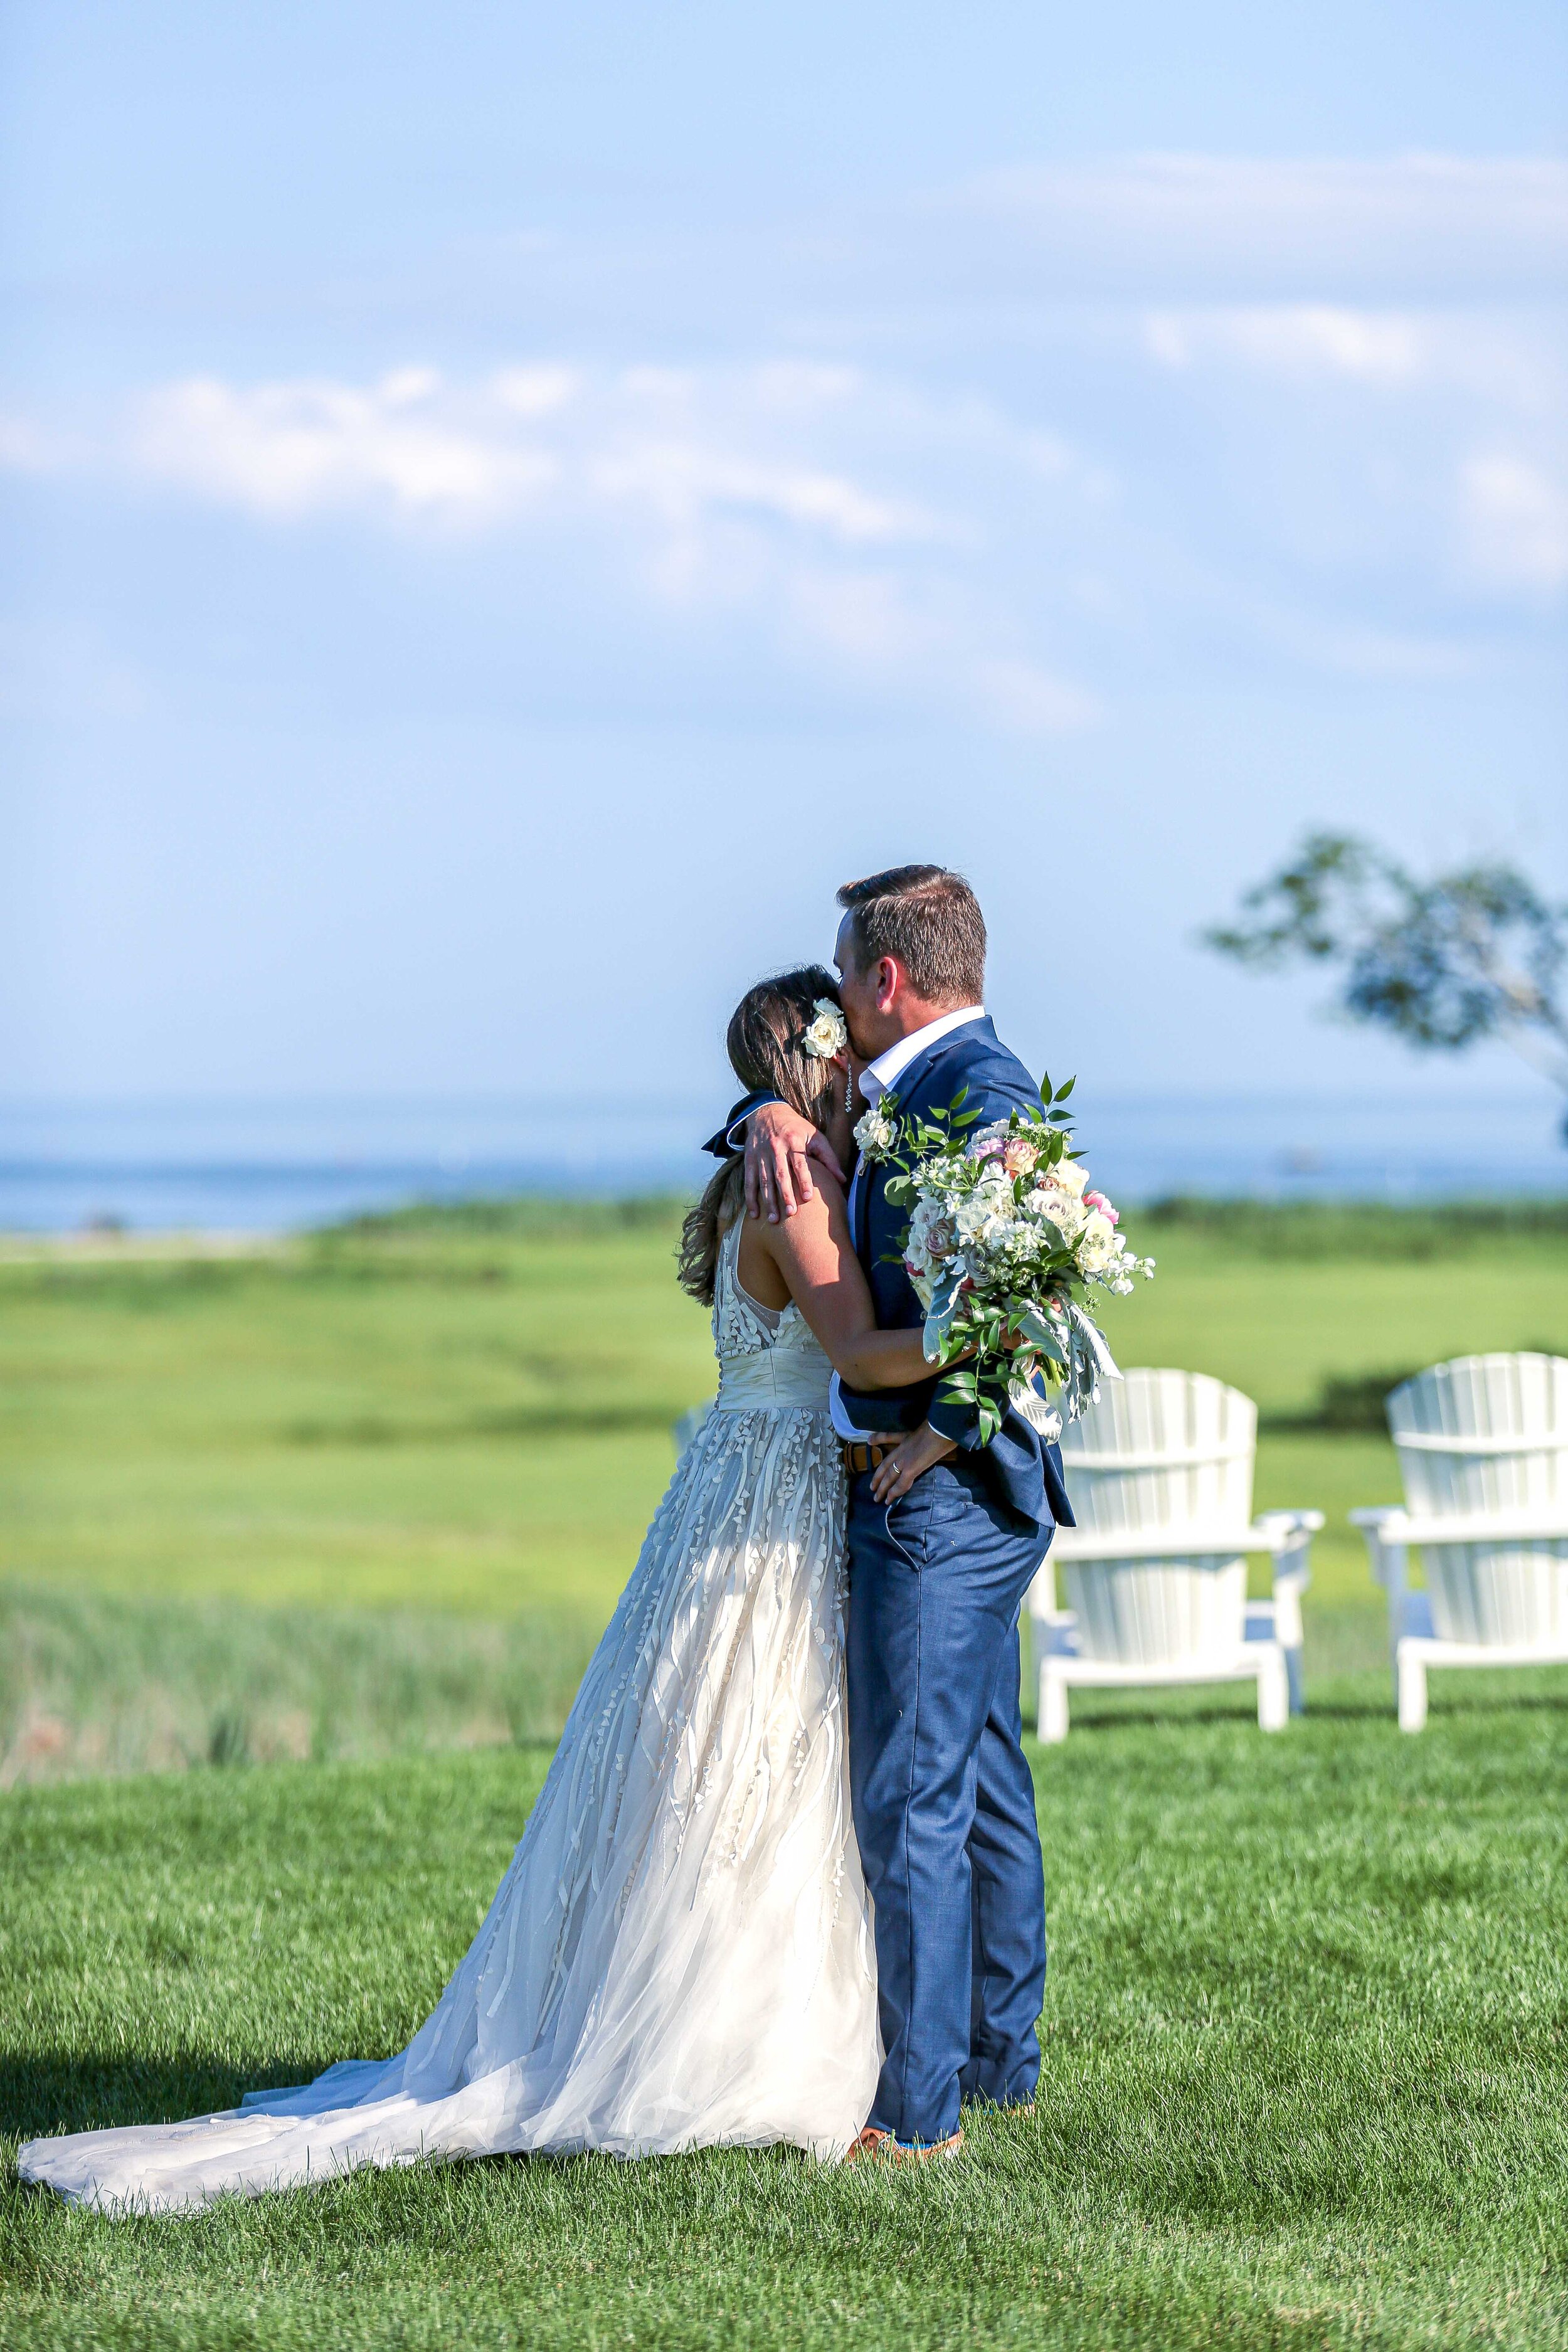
[{"x": 680, "y": 1954}]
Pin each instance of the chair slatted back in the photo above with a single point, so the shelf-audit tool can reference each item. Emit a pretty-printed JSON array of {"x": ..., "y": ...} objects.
[
  {"x": 1505, "y": 1419},
  {"x": 1163, "y": 1450},
  {"x": 1483, "y": 1437}
]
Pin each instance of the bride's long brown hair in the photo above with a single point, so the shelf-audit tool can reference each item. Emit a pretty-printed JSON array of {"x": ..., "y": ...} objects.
[{"x": 765, "y": 1045}]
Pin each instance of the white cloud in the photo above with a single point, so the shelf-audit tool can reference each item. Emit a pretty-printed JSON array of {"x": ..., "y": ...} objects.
[
  {"x": 406, "y": 387},
  {"x": 1446, "y": 222},
  {"x": 777, "y": 492},
  {"x": 534, "y": 390},
  {"x": 1295, "y": 339},
  {"x": 1454, "y": 463},
  {"x": 1312, "y": 473},
  {"x": 679, "y": 480},
  {"x": 1510, "y": 355},
  {"x": 806, "y": 386},
  {"x": 410, "y": 442},
  {"x": 1515, "y": 519},
  {"x": 289, "y": 449}
]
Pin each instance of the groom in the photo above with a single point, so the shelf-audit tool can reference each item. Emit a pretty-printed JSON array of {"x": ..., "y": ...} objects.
[{"x": 944, "y": 1800}]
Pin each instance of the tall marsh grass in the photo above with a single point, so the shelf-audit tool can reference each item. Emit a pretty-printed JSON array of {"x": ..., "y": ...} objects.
[{"x": 93, "y": 1683}]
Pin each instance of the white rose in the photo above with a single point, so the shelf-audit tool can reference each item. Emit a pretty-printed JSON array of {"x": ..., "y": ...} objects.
[
  {"x": 1059, "y": 1210},
  {"x": 1071, "y": 1175},
  {"x": 970, "y": 1217},
  {"x": 876, "y": 1135},
  {"x": 917, "y": 1249},
  {"x": 1098, "y": 1244},
  {"x": 828, "y": 1033}
]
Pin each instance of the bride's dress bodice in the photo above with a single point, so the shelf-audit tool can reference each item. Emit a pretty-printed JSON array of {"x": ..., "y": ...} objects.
[{"x": 768, "y": 1357}]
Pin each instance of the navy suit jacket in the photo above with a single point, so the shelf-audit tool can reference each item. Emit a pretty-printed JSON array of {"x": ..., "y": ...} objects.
[{"x": 1022, "y": 1470}]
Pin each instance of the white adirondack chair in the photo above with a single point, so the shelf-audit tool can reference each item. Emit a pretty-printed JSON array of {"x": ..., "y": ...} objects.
[
  {"x": 1160, "y": 1475},
  {"x": 1483, "y": 1450}
]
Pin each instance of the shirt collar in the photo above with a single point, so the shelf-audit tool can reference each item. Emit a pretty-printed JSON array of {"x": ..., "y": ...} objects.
[{"x": 879, "y": 1075}]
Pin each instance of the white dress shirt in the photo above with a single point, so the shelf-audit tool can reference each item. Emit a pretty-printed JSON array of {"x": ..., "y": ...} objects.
[{"x": 877, "y": 1079}]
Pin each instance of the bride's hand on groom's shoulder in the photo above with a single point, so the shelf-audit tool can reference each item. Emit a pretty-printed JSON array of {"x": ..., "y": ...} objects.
[
  {"x": 897, "y": 1472},
  {"x": 780, "y": 1146}
]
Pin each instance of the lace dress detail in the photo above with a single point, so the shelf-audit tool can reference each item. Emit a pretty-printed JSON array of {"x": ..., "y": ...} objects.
[{"x": 679, "y": 1953}]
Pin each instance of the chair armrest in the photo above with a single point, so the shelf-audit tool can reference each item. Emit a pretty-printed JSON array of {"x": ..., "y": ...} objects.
[
  {"x": 1384, "y": 1526},
  {"x": 1375, "y": 1515},
  {"x": 1055, "y": 1632},
  {"x": 1291, "y": 1523},
  {"x": 1290, "y": 1534},
  {"x": 1194, "y": 1542},
  {"x": 1546, "y": 1525}
]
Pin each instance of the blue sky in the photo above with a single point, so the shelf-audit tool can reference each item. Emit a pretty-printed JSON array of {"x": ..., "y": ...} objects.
[{"x": 506, "y": 507}]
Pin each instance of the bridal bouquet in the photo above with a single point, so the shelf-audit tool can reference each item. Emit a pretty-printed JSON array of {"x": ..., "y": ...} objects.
[{"x": 1005, "y": 1239}]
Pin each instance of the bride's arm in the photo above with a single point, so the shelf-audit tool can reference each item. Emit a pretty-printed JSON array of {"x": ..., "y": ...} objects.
[{"x": 813, "y": 1252}]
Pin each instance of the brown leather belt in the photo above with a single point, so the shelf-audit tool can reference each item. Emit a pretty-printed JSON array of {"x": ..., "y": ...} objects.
[{"x": 865, "y": 1457}]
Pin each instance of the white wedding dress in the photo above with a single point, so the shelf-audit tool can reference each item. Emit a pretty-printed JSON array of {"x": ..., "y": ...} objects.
[{"x": 680, "y": 1955}]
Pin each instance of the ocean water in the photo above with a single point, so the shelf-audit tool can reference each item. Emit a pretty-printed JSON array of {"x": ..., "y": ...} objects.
[{"x": 275, "y": 1166}]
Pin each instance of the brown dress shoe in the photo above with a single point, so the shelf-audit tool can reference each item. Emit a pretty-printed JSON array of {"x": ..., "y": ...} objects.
[{"x": 872, "y": 2145}]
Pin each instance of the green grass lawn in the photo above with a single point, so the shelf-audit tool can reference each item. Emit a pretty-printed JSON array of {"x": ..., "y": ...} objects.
[
  {"x": 1304, "y": 2074},
  {"x": 432, "y": 1414},
  {"x": 427, "y": 1422},
  {"x": 1307, "y": 2021}
]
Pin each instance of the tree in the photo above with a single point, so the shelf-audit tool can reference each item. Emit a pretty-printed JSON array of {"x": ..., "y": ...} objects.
[{"x": 1442, "y": 964}]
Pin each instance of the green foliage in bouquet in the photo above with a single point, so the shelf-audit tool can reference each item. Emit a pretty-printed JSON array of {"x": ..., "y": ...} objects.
[{"x": 1003, "y": 1239}]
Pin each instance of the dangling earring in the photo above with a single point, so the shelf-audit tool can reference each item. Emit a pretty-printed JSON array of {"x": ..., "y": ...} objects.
[{"x": 848, "y": 1090}]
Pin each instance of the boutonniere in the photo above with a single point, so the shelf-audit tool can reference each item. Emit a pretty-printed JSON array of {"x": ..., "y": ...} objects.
[{"x": 877, "y": 1133}]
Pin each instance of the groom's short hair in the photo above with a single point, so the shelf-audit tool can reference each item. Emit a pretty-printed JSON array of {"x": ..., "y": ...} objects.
[{"x": 930, "y": 919}]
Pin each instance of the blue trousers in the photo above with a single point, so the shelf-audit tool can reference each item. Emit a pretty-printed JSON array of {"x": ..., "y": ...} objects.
[{"x": 943, "y": 1799}]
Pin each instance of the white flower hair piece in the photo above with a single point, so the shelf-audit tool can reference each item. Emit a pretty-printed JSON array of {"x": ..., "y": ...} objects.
[{"x": 828, "y": 1033}]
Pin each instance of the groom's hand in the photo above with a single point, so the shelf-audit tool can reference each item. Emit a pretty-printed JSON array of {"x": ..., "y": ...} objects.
[{"x": 780, "y": 1148}]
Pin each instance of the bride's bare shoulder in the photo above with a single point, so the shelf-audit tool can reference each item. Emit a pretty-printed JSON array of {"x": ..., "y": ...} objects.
[
  {"x": 828, "y": 1204},
  {"x": 832, "y": 1191},
  {"x": 817, "y": 1232}
]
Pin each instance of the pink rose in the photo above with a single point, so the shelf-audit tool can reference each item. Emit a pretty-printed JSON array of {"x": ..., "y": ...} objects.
[
  {"x": 1019, "y": 1155},
  {"x": 1098, "y": 1200}
]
